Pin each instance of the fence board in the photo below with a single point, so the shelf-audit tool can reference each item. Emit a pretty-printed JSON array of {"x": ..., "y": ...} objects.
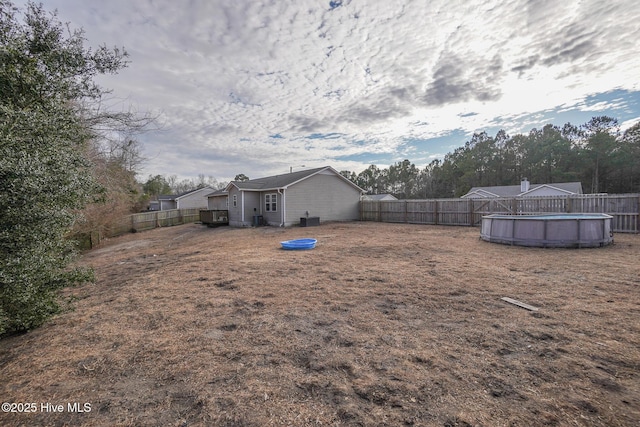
[
  {"x": 150, "y": 220},
  {"x": 623, "y": 207}
]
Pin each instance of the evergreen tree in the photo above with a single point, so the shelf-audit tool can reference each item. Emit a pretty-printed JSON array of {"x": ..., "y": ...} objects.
[
  {"x": 45, "y": 177},
  {"x": 627, "y": 177},
  {"x": 601, "y": 143}
]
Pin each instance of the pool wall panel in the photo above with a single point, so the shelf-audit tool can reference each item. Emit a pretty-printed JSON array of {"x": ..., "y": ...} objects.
[{"x": 575, "y": 230}]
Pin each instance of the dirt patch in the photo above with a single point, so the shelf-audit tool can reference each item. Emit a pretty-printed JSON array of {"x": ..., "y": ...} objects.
[{"x": 381, "y": 324}]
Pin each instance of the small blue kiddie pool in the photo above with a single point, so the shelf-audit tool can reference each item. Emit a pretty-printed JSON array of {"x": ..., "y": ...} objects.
[{"x": 299, "y": 244}]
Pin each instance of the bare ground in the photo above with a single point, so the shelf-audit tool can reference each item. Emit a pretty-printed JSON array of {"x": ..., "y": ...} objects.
[{"x": 381, "y": 324}]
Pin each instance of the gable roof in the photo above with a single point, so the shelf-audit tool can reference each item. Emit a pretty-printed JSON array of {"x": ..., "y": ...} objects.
[
  {"x": 218, "y": 193},
  {"x": 379, "y": 197},
  {"x": 562, "y": 187},
  {"x": 177, "y": 196},
  {"x": 280, "y": 182},
  {"x": 516, "y": 190}
]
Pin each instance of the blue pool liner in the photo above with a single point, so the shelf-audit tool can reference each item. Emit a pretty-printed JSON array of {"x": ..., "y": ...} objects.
[{"x": 299, "y": 244}]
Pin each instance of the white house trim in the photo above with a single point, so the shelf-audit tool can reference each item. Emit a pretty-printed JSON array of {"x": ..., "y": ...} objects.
[
  {"x": 242, "y": 204},
  {"x": 536, "y": 189},
  {"x": 284, "y": 187},
  {"x": 284, "y": 209},
  {"x": 481, "y": 193}
]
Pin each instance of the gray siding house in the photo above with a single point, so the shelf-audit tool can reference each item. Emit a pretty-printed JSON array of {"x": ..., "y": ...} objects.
[
  {"x": 190, "y": 199},
  {"x": 525, "y": 189},
  {"x": 283, "y": 199}
]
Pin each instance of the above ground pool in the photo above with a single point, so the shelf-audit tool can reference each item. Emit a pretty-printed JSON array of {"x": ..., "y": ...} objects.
[{"x": 548, "y": 231}]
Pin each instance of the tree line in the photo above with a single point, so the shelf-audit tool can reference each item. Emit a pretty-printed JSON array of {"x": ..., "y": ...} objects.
[
  {"x": 597, "y": 154},
  {"x": 157, "y": 185}
]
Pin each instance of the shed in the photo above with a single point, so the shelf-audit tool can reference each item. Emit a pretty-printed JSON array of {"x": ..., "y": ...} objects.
[{"x": 283, "y": 199}]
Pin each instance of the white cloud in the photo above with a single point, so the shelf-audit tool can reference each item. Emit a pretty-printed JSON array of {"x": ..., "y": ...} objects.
[
  {"x": 629, "y": 123},
  {"x": 225, "y": 76}
]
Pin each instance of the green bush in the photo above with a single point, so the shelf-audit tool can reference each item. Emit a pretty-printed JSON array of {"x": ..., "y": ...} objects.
[{"x": 45, "y": 177}]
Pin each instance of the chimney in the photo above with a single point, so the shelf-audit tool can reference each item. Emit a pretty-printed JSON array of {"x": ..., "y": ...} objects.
[{"x": 524, "y": 185}]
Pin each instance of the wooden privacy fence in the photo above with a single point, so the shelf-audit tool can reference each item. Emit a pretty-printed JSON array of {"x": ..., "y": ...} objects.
[
  {"x": 149, "y": 220},
  {"x": 623, "y": 207}
]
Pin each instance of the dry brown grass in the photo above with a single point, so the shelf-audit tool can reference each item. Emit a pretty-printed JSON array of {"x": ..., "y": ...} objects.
[{"x": 381, "y": 324}]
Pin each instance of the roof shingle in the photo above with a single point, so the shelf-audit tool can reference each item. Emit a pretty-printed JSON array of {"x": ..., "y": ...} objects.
[{"x": 276, "y": 181}]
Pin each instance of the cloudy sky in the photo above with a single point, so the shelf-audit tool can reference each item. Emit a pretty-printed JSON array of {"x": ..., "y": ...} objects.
[{"x": 260, "y": 86}]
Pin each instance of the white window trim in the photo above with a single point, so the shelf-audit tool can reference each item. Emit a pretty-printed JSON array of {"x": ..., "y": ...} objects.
[{"x": 272, "y": 204}]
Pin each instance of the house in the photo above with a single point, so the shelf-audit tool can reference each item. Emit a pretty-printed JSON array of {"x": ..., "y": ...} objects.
[
  {"x": 283, "y": 199},
  {"x": 190, "y": 199},
  {"x": 525, "y": 189},
  {"x": 379, "y": 197}
]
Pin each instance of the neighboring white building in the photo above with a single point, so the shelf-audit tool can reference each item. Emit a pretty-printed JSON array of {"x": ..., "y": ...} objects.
[
  {"x": 190, "y": 199},
  {"x": 525, "y": 189},
  {"x": 379, "y": 197}
]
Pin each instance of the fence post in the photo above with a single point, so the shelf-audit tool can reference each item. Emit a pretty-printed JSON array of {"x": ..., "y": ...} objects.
[
  {"x": 470, "y": 211},
  {"x": 638, "y": 216},
  {"x": 435, "y": 212},
  {"x": 569, "y": 207},
  {"x": 406, "y": 210}
]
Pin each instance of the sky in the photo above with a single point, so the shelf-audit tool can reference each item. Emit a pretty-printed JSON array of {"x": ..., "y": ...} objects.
[{"x": 262, "y": 87}]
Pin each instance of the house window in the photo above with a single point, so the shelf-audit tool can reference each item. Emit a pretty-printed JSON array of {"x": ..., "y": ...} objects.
[
  {"x": 235, "y": 200},
  {"x": 271, "y": 202},
  {"x": 226, "y": 199}
]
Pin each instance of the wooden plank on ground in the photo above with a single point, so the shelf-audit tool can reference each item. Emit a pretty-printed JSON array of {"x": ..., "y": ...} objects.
[{"x": 519, "y": 304}]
